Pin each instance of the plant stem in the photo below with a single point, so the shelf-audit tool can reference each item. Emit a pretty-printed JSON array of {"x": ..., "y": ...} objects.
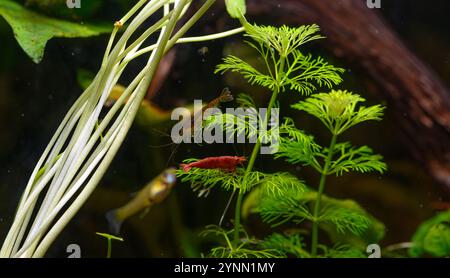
[
  {"x": 190, "y": 39},
  {"x": 251, "y": 162},
  {"x": 108, "y": 254},
  {"x": 323, "y": 178},
  {"x": 90, "y": 186},
  {"x": 276, "y": 91},
  {"x": 63, "y": 176},
  {"x": 237, "y": 217}
]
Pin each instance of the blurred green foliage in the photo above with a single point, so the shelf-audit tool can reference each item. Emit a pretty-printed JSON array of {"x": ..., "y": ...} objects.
[
  {"x": 432, "y": 237},
  {"x": 33, "y": 30}
]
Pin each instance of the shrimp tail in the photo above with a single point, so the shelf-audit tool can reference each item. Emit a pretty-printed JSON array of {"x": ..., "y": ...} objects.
[
  {"x": 226, "y": 96},
  {"x": 113, "y": 222},
  {"x": 185, "y": 167}
]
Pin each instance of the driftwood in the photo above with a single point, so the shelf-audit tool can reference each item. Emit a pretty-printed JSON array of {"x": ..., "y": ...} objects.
[{"x": 415, "y": 95}]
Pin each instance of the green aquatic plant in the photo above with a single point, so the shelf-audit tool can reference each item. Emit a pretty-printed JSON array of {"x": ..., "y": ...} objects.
[
  {"x": 298, "y": 147},
  {"x": 109, "y": 238},
  {"x": 432, "y": 237},
  {"x": 291, "y": 244},
  {"x": 247, "y": 247},
  {"x": 86, "y": 141},
  {"x": 280, "y": 198},
  {"x": 32, "y": 30},
  {"x": 286, "y": 68},
  {"x": 338, "y": 111}
]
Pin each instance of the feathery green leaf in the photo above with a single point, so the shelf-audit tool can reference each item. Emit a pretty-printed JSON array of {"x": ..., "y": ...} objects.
[
  {"x": 297, "y": 147},
  {"x": 345, "y": 219},
  {"x": 304, "y": 72},
  {"x": 245, "y": 101},
  {"x": 253, "y": 76},
  {"x": 287, "y": 244},
  {"x": 338, "y": 110},
  {"x": 203, "y": 180},
  {"x": 284, "y": 39},
  {"x": 343, "y": 251},
  {"x": 247, "y": 248},
  {"x": 359, "y": 159},
  {"x": 281, "y": 208},
  {"x": 297, "y": 72}
]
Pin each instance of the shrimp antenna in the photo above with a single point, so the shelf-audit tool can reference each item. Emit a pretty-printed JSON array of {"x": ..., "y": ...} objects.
[
  {"x": 172, "y": 154},
  {"x": 161, "y": 133},
  {"x": 161, "y": 146},
  {"x": 226, "y": 209}
]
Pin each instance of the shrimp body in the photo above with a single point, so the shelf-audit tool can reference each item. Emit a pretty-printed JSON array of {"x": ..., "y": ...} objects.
[
  {"x": 196, "y": 118},
  {"x": 226, "y": 163},
  {"x": 225, "y": 96}
]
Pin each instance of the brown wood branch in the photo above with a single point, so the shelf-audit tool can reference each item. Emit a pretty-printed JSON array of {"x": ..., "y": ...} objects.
[{"x": 415, "y": 95}]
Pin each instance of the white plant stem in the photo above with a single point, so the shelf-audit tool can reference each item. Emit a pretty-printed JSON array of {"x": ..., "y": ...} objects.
[{"x": 78, "y": 154}]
